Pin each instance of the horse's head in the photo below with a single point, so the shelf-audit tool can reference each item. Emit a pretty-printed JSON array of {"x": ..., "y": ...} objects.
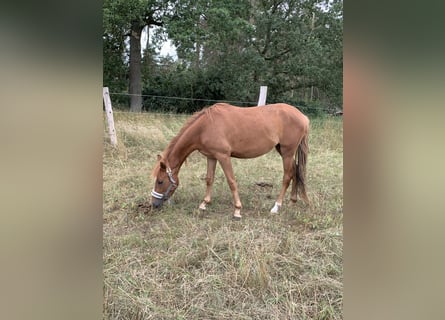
[{"x": 165, "y": 183}]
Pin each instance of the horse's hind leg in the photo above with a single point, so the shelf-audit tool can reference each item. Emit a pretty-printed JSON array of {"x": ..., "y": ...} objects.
[
  {"x": 288, "y": 168},
  {"x": 293, "y": 196},
  {"x": 211, "y": 166}
]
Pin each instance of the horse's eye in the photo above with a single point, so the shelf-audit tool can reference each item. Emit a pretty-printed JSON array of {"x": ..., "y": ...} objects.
[{"x": 160, "y": 182}]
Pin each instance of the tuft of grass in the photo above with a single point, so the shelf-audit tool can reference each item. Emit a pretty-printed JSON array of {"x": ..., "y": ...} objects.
[{"x": 180, "y": 263}]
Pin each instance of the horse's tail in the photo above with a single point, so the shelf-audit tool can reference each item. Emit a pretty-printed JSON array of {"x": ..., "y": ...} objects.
[{"x": 300, "y": 172}]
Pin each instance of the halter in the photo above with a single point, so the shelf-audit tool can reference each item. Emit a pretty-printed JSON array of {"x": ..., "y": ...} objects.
[{"x": 172, "y": 185}]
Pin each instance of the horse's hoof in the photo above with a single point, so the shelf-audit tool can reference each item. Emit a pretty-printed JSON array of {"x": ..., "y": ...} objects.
[
  {"x": 275, "y": 208},
  {"x": 203, "y": 206},
  {"x": 236, "y": 218}
]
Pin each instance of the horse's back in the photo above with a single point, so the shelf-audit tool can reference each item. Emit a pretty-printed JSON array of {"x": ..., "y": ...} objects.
[
  {"x": 253, "y": 131},
  {"x": 291, "y": 111},
  {"x": 272, "y": 115}
]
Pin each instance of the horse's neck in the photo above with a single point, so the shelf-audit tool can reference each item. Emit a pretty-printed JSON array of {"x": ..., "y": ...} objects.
[{"x": 181, "y": 150}]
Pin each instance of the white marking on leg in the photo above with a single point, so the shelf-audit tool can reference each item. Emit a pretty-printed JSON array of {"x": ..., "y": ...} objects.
[
  {"x": 275, "y": 208},
  {"x": 237, "y": 213},
  {"x": 202, "y": 206}
]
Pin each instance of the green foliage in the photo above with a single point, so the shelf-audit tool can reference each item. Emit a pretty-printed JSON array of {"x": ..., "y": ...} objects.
[{"x": 228, "y": 49}]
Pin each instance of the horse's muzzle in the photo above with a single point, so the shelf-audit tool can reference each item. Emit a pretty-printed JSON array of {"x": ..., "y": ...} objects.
[
  {"x": 156, "y": 203},
  {"x": 157, "y": 200}
]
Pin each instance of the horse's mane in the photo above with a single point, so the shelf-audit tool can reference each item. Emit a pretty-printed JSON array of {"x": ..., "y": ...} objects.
[
  {"x": 192, "y": 120},
  {"x": 207, "y": 112}
]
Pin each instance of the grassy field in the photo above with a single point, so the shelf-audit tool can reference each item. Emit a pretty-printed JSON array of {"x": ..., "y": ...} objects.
[{"x": 180, "y": 263}]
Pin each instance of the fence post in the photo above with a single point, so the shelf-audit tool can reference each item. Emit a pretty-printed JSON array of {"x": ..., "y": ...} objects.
[
  {"x": 110, "y": 119},
  {"x": 263, "y": 94}
]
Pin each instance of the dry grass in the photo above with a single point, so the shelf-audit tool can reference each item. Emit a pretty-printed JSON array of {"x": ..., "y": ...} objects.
[{"x": 179, "y": 263}]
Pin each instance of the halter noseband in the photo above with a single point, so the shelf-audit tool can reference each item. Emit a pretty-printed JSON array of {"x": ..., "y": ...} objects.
[{"x": 164, "y": 196}]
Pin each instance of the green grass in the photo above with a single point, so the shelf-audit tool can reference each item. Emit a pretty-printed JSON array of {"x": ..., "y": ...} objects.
[{"x": 179, "y": 263}]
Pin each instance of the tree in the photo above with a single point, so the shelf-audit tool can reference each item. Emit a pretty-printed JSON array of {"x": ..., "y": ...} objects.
[
  {"x": 115, "y": 70},
  {"x": 298, "y": 44},
  {"x": 227, "y": 49},
  {"x": 211, "y": 36},
  {"x": 129, "y": 18},
  {"x": 291, "y": 46}
]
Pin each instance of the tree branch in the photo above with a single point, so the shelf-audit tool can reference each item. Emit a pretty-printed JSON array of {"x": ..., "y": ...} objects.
[{"x": 278, "y": 55}]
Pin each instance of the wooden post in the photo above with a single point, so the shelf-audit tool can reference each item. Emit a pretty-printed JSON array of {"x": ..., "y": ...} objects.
[
  {"x": 110, "y": 119},
  {"x": 263, "y": 94}
]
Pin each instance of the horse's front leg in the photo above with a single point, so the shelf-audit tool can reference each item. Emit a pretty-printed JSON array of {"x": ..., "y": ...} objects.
[
  {"x": 211, "y": 166},
  {"x": 226, "y": 165}
]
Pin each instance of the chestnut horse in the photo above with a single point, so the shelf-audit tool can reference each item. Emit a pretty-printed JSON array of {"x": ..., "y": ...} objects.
[{"x": 223, "y": 131}]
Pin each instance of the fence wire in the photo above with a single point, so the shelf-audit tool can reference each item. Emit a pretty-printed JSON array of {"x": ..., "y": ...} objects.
[
  {"x": 254, "y": 103},
  {"x": 181, "y": 98}
]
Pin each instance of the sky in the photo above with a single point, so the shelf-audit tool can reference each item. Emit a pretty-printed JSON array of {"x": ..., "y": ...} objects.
[{"x": 167, "y": 47}]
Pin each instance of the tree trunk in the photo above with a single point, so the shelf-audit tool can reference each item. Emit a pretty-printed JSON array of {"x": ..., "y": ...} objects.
[{"x": 135, "y": 86}]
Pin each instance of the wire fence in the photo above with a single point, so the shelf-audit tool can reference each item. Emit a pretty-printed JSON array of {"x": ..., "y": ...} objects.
[
  {"x": 301, "y": 105},
  {"x": 183, "y": 98}
]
